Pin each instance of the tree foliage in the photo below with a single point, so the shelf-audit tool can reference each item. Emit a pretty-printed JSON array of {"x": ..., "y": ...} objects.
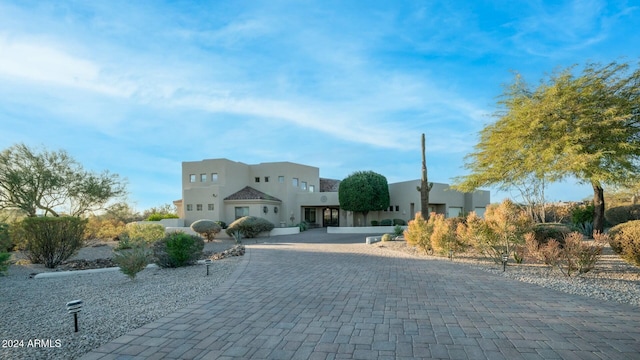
[
  {"x": 584, "y": 126},
  {"x": 364, "y": 191},
  {"x": 51, "y": 182}
]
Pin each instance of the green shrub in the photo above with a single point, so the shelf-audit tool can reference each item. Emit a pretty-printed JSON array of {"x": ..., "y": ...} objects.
[
  {"x": 5, "y": 240},
  {"x": 375, "y": 223},
  {"x": 625, "y": 241},
  {"x": 103, "y": 228},
  {"x": 4, "y": 262},
  {"x": 132, "y": 261},
  {"x": 52, "y": 240},
  {"x": 303, "y": 226},
  {"x": 160, "y": 216},
  {"x": 148, "y": 233},
  {"x": 178, "y": 249},
  {"x": 399, "y": 222},
  {"x": 206, "y": 228},
  {"x": 548, "y": 231},
  {"x": 398, "y": 230},
  {"x": 222, "y": 224},
  {"x": 386, "y": 222},
  {"x": 582, "y": 214},
  {"x": 585, "y": 228},
  {"x": 418, "y": 232},
  {"x": 387, "y": 237},
  {"x": 622, "y": 214},
  {"x": 249, "y": 226}
]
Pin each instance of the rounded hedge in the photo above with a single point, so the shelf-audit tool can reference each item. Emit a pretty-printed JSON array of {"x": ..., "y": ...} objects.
[
  {"x": 206, "y": 228},
  {"x": 622, "y": 214},
  {"x": 547, "y": 231},
  {"x": 249, "y": 226},
  {"x": 625, "y": 241}
]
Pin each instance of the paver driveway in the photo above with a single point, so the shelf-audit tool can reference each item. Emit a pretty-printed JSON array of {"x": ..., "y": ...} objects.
[{"x": 319, "y": 296}]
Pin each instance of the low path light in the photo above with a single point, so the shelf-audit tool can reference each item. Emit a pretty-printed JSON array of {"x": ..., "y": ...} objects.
[
  {"x": 74, "y": 307},
  {"x": 207, "y": 262},
  {"x": 505, "y": 258}
]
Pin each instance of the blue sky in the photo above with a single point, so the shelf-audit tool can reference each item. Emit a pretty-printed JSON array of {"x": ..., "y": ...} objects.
[{"x": 137, "y": 87}]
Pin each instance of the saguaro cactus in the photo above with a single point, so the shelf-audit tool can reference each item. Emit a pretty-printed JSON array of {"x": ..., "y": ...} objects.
[{"x": 425, "y": 185}]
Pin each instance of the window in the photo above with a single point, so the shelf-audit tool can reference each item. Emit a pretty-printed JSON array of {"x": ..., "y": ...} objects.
[
  {"x": 312, "y": 188},
  {"x": 210, "y": 207},
  {"x": 189, "y": 207},
  {"x": 203, "y": 177},
  {"x": 281, "y": 179},
  {"x": 397, "y": 208},
  {"x": 310, "y": 215},
  {"x": 257, "y": 178},
  {"x": 391, "y": 208},
  {"x": 455, "y": 211},
  {"x": 266, "y": 179},
  {"x": 242, "y": 211},
  {"x": 214, "y": 177},
  {"x": 294, "y": 182},
  {"x": 198, "y": 207},
  {"x": 303, "y": 185},
  {"x": 192, "y": 178}
]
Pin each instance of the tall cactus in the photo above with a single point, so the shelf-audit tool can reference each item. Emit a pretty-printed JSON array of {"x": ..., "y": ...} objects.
[{"x": 425, "y": 185}]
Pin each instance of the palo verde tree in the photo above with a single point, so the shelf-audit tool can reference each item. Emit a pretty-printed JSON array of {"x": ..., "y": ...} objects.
[
  {"x": 425, "y": 185},
  {"x": 51, "y": 182},
  {"x": 364, "y": 191},
  {"x": 585, "y": 126}
]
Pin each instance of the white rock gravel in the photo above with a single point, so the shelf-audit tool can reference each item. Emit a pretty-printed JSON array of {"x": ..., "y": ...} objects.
[{"x": 35, "y": 309}]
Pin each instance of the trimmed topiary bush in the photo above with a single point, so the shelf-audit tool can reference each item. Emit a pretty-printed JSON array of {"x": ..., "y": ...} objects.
[
  {"x": 222, "y": 224},
  {"x": 386, "y": 222},
  {"x": 622, "y": 214},
  {"x": 52, "y": 240},
  {"x": 249, "y": 226},
  {"x": 625, "y": 241},
  {"x": 178, "y": 249},
  {"x": 375, "y": 223},
  {"x": 206, "y": 228},
  {"x": 399, "y": 222}
]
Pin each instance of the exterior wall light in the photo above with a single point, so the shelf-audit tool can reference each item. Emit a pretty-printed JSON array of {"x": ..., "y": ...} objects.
[
  {"x": 275, "y": 209},
  {"x": 265, "y": 209}
]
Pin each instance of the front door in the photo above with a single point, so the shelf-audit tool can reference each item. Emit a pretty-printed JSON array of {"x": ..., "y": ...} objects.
[{"x": 330, "y": 217}]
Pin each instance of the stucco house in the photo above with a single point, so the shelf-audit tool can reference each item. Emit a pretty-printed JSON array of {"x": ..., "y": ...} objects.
[{"x": 286, "y": 193}]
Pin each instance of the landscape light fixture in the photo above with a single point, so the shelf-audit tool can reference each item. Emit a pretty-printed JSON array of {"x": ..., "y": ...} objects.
[
  {"x": 207, "y": 262},
  {"x": 451, "y": 255},
  {"x": 505, "y": 258},
  {"x": 74, "y": 307}
]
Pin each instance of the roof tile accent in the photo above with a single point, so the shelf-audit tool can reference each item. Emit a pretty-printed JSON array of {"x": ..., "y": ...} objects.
[{"x": 249, "y": 193}]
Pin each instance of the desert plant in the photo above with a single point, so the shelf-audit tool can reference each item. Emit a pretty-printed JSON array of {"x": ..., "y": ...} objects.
[
  {"x": 178, "y": 249},
  {"x": 303, "y": 226},
  {"x": 622, "y": 214},
  {"x": 550, "y": 252},
  {"x": 386, "y": 222},
  {"x": 625, "y": 241},
  {"x": 556, "y": 231},
  {"x": 52, "y": 240},
  {"x": 5, "y": 240},
  {"x": 206, "y": 228},
  {"x": 148, "y": 233},
  {"x": 387, "y": 237},
  {"x": 222, "y": 224},
  {"x": 585, "y": 228},
  {"x": 398, "y": 230},
  {"x": 4, "y": 262},
  {"x": 160, "y": 216},
  {"x": 418, "y": 233},
  {"x": 132, "y": 261},
  {"x": 576, "y": 256},
  {"x": 444, "y": 238},
  {"x": 582, "y": 214},
  {"x": 399, "y": 222},
  {"x": 249, "y": 226},
  {"x": 103, "y": 228}
]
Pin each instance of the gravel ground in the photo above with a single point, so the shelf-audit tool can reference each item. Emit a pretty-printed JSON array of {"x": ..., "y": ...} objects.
[
  {"x": 33, "y": 315},
  {"x": 611, "y": 280}
]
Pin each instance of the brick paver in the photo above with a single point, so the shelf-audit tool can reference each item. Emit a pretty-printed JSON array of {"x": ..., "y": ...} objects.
[{"x": 319, "y": 296}]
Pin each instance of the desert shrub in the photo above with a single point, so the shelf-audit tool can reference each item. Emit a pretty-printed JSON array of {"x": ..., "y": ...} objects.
[
  {"x": 386, "y": 222},
  {"x": 52, "y": 240},
  {"x": 5, "y": 240},
  {"x": 550, "y": 252},
  {"x": 4, "y": 262},
  {"x": 103, "y": 228},
  {"x": 387, "y": 237},
  {"x": 178, "y": 249},
  {"x": 625, "y": 241},
  {"x": 585, "y": 228},
  {"x": 303, "y": 226},
  {"x": 222, "y": 224},
  {"x": 622, "y": 214},
  {"x": 375, "y": 223},
  {"x": 398, "y": 230},
  {"x": 148, "y": 233},
  {"x": 555, "y": 213},
  {"x": 556, "y": 231},
  {"x": 443, "y": 237},
  {"x": 582, "y": 214},
  {"x": 160, "y": 216},
  {"x": 504, "y": 229},
  {"x": 132, "y": 261},
  {"x": 249, "y": 226},
  {"x": 575, "y": 255},
  {"x": 399, "y": 222},
  {"x": 206, "y": 228},
  {"x": 419, "y": 231}
]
